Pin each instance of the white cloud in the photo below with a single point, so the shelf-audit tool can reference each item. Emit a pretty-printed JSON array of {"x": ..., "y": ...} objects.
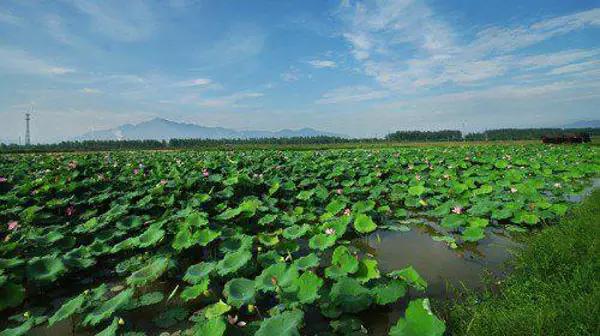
[
  {"x": 90, "y": 91},
  {"x": 19, "y": 61},
  {"x": 125, "y": 21},
  {"x": 351, "y": 94},
  {"x": 291, "y": 75},
  {"x": 319, "y": 64},
  {"x": 406, "y": 47},
  {"x": 194, "y": 82}
]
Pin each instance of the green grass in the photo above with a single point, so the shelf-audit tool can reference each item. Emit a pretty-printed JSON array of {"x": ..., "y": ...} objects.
[{"x": 553, "y": 290}]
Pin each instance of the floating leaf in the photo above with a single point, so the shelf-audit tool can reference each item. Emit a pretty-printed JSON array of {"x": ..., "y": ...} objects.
[
  {"x": 306, "y": 262},
  {"x": 410, "y": 275},
  {"x": 216, "y": 309},
  {"x": 390, "y": 292},
  {"x": 350, "y": 296},
  {"x": 418, "y": 321},
  {"x": 198, "y": 272},
  {"x": 192, "y": 292},
  {"x": 284, "y": 324},
  {"x": 108, "y": 308},
  {"x": 45, "y": 269},
  {"x": 367, "y": 270},
  {"x": 364, "y": 224},
  {"x": 232, "y": 262},
  {"x": 239, "y": 291},
  {"x": 322, "y": 241},
  {"x": 149, "y": 273},
  {"x": 67, "y": 309}
]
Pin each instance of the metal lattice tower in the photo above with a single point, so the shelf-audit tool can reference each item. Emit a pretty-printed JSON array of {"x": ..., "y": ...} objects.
[{"x": 27, "y": 134}]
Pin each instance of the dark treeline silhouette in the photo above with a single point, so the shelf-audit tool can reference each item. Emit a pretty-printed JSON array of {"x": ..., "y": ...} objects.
[
  {"x": 445, "y": 135},
  {"x": 399, "y": 136}
]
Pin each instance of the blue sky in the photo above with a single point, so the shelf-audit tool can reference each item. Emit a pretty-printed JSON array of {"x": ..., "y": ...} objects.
[{"x": 361, "y": 68}]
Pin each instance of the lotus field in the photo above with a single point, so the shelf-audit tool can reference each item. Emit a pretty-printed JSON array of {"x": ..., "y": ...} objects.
[{"x": 253, "y": 242}]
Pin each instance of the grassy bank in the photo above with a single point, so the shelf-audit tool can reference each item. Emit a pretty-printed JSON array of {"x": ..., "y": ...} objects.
[{"x": 554, "y": 289}]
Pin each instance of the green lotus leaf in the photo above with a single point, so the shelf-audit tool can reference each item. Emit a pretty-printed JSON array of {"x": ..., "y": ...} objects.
[
  {"x": 322, "y": 241},
  {"x": 239, "y": 291},
  {"x": 350, "y": 296},
  {"x": 478, "y": 222},
  {"x": 268, "y": 239},
  {"x": 335, "y": 206},
  {"x": 213, "y": 327},
  {"x": 171, "y": 317},
  {"x": 216, "y": 309},
  {"x": 67, "y": 309},
  {"x": 149, "y": 299},
  {"x": 196, "y": 219},
  {"x": 183, "y": 238},
  {"x": 277, "y": 275},
  {"x": 338, "y": 225},
  {"x": 108, "y": 308},
  {"x": 295, "y": 231},
  {"x": 284, "y": 324},
  {"x": 23, "y": 329},
  {"x": 418, "y": 320},
  {"x": 390, "y": 292},
  {"x": 149, "y": 273},
  {"x": 111, "y": 330},
  {"x": 205, "y": 236},
  {"x": 232, "y": 262},
  {"x": 151, "y": 236},
  {"x": 305, "y": 195},
  {"x": 192, "y": 292},
  {"x": 45, "y": 269},
  {"x": 363, "y": 206},
  {"x": 364, "y": 224},
  {"x": 342, "y": 257},
  {"x": 308, "y": 285},
  {"x": 267, "y": 219},
  {"x": 367, "y": 270},
  {"x": 417, "y": 190},
  {"x": 196, "y": 273},
  {"x": 473, "y": 233},
  {"x": 453, "y": 221},
  {"x": 306, "y": 262},
  {"x": 11, "y": 295},
  {"x": 410, "y": 275}
]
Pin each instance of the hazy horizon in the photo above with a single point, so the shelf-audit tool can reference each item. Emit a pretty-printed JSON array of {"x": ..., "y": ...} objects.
[{"x": 359, "y": 68}]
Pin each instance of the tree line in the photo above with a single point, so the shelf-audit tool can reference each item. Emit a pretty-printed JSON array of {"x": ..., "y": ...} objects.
[{"x": 399, "y": 136}]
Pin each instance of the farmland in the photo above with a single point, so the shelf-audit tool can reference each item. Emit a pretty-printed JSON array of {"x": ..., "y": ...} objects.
[{"x": 257, "y": 242}]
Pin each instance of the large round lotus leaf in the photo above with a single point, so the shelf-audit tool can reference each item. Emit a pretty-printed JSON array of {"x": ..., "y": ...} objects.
[
  {"x": 363, "y": 206},
  {"x": 418, "y": 320},
  {"x": 212, "y": 327},
  {"x": 367, "y": 270},
  {"x": 410, "y": 275},
  {"x": 295, "y": 231},
  {"x": 111, "y": 330},
  {"x": 306, "y": 262},
  {"x": 417, "y": 190},
  {"x": 151, "y": 236},
  {"x": 308, "y": 285},
  {"x": 322, "y": 241},
  {"x": 23, "y": 329},
  {"x": 344, "y": 259},
  {"x": 390, "y": 292},
  {"x": 473, "y": 233},
  {"x": 11, "y": 295},
  {"x": 67, "y": 309},
  {"x": 45, "y": 269},
  {"x": 284, "y": 324},
  {"x": 192, "y": 292},
  {"x": 453, "y": 221},
  {"x": 350, "y": 296},
  {"x": 149, "y": 273},
  {"x": 108, "y": 308},
  {"x": 216, "y": 309},
  {"x": 233, "y": 262},
  {"x": 277, "y": 275},
  {"x": 239, "y": 291},
  {"x": 364, "y": 224},
  {"x": 205, "y": 236},
  {"x": 197, "y": 272},
  {"x": 335, "y": 206}
]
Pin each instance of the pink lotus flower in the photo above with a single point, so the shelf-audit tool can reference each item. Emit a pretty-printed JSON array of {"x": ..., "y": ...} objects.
[
  {"x": 205, "y": 172},
  {"x": 330, "y": 231},
  {"x": 418, "y": 177},
  {"x": 13, "y": 225},
  {"x": 410, "y": 167},
  {"x": 136, "y": 171},
  {"x": 3, "y": 179},
  {"x": 339, "y": 191},
  {"x": 232, "y": 319},
  {"x": 513, "y": 190},
  {"x": 70, "y": 210},
  {"x": 457, "y": 210},
  {"x": 163, "y": 182},
  {"x": 446, "y": 176},
  {"x": 557, "y": 185},
  {"x": 347, "y": 212},
  {"x": 72, "y": 164}
]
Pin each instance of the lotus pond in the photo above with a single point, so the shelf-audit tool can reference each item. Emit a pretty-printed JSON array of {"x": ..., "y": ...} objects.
[{"x": 265, "y": 242}]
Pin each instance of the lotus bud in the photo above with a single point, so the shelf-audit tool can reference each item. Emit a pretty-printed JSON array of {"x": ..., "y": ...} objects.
[
  {"x": 251, "y": 308},
  {"x": 206, "y": 293},
  {"x": 259, "y": 248},
  {"x": 121, "y": 321},
  {"x": 26, "y": 315},
  {"x": 86, "y": 292}
]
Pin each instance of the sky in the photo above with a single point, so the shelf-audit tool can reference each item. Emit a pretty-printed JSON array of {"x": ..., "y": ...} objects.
[{"x": 360, "y": 68}]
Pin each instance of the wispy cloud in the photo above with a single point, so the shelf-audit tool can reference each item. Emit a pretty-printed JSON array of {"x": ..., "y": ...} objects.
[
  {"x": 125, "y": 21},
  {"x": 194, "y": 82},
  {"x": 319, "y": 64},
  {"x": 232, "y": 100},
  {"x": 292, "y": 74},
  {"x": 19, "y": 61},
  {"x": 90, "y": 91},
  {"x": 7, "y": 17},
  {"x": 351, "y": 94}
]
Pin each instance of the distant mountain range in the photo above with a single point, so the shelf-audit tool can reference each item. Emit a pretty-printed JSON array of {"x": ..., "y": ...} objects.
[
  {"x": 583, "y": 124},
  {"x": 163, "y": 129}
]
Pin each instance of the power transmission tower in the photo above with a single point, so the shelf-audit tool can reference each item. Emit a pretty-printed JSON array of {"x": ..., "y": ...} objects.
[{"x": 27, "y": 133}]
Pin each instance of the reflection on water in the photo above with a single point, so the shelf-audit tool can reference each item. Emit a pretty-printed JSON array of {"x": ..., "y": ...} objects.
[
  {"x": 443, "y": 268},
  {"x": 576, "y": 198}
]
